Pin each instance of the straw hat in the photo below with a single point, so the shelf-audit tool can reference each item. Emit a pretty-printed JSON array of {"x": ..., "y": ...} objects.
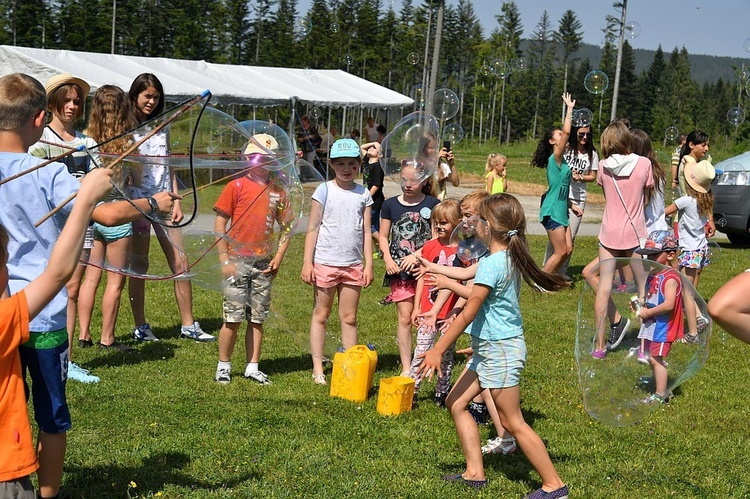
[
  {"x": 261, "y": 143},
  {"x": 58, "y": 81},
  {"x": 700, "y": 175}
]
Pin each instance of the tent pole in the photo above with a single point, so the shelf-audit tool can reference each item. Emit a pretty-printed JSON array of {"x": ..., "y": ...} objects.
[
  {"x": 328, "y": 142},
  {"x": 292, "y": 135},
  {"x": 343, "y": 124}
]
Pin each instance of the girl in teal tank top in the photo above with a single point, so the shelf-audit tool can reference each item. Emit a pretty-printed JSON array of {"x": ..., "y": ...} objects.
[{"x": 554, "y": 209}]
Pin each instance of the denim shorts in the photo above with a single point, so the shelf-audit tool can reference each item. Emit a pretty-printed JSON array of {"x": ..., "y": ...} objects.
[
  {"x": 550, "y": 224},
  {"x": 48, "y": 368},
  {"x": 498, "y": 363},
  {"x": 375, "y": 221}
]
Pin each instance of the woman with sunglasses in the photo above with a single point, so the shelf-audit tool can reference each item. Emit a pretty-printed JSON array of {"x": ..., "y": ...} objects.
[{"x": 583, "y": 159}]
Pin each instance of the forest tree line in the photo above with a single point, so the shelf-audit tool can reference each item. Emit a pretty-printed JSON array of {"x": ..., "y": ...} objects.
[{"x": 372, "y": 40}]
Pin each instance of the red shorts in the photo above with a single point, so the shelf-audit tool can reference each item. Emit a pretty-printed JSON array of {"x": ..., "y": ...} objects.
[
  {"x": 402, "y": 290},
  {"x": 327, "y": 276},
  {"x": 658, "y": 349}
]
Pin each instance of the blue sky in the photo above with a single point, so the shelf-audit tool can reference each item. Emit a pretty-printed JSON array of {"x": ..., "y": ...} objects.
[{"x": 702, "y": 27}]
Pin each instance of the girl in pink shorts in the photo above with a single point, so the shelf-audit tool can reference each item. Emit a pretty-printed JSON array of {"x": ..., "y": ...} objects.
[{"x": 338, "y": 250}]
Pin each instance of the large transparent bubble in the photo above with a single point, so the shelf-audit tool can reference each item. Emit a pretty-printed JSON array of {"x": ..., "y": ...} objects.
[
  {"x": 671, "y": 133},
  {"x": 471, "y": 237},
  {"x": 242, "y": 195},
  {"x": 409, "y": 152},
  {"x": 620, "y": 388},
  {"x": 445, "y": 103},
  {"x": 453, "y": 132},
  {"x": 596, "y": 82}
]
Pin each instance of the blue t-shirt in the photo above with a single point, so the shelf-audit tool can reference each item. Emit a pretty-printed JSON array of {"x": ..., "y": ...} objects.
[
  {"x": 24, "y": 201},
  {"x": 499, "y": 317}
]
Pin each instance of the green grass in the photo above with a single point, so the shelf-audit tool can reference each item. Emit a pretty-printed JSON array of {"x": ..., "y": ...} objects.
[{"x": 159, "y": 421}]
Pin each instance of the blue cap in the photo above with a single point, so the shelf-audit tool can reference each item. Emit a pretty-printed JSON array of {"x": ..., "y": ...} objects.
[{"x": 344, "y": 148}]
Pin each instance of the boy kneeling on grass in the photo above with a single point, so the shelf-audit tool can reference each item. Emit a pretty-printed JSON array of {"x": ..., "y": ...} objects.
[
  {"x": 18, "y": 457},
  {"x": 660, "y": 310}
]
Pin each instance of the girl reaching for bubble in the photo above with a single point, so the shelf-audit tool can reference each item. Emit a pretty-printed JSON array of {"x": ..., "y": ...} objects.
[
  {"x": 555, "y": 204},
  {"x": 498, "y": 344}
]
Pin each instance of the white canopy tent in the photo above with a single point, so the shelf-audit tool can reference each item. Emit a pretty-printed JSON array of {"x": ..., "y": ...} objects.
[{"x": 230, "y": 84}]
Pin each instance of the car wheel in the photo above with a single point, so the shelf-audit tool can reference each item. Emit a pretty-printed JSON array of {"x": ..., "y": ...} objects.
[{"x": 739, "y": 238}]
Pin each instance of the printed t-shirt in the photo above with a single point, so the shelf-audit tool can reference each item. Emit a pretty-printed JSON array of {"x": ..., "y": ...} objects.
[
  {"x": 436, "y": 252},
  {"x": 410, "y": 229}
]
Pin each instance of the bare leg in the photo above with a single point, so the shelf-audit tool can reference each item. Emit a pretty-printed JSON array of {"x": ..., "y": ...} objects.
[
  {"x": 139, "y": 246},
  {"x": 508, "y": 405},
  {"x": 466, "y": 388},
  {"x": 730, "y": 307},
  {"x": 403, "y": 333},
  {"x": 660, "y": 375},
  {"x": 73, "y": 288},
  {"x": 87, "y": 295},
  {"x": 322, "y": 304},
  {"x": 117, "y": 258},
  {"x": 227, "y": 340},
  {"x": 171, "y": 243},
  {"x": 51, "y": 453},
  {"x": 490, "y": 403},
  {"x": 562, "y": 245},
  {"x": 348, "y": 304},
  {"x": 253, "y": 339}
]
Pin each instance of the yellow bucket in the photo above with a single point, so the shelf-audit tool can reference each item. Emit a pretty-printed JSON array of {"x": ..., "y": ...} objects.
[
  {"x": 395, "y": 395},
  {"x": 353, "y": 370}
]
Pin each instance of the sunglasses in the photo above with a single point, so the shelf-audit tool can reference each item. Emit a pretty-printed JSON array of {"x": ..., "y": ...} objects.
[{"x": 584, "y": 135}]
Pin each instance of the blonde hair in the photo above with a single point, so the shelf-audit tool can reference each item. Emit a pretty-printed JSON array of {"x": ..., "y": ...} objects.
[
  {"x": 21, "y": 98},
  {"x": 111, "y": 117},
  {"x": 616, "y": 139},
  {"x": 491, "y": 159},
  {"x": 474, "y": 199},
  {"x": 448, "y": 210},
  {"x": 705, "y": 200},
  {"x": 507, "y": 224}
]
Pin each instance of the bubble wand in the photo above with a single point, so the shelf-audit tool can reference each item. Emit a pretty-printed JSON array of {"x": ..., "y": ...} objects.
[{"x": 130, "y": 149}]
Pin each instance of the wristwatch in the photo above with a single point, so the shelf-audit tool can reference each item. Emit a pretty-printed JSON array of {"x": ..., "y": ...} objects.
[{"x": 153, "y": 204}]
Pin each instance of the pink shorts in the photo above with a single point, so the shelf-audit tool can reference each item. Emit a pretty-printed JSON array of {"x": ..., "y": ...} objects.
[
  {"x": 658, "y": 349},
  {"x": 402, "y": 290},
  {"x": 327, "y": 276}
]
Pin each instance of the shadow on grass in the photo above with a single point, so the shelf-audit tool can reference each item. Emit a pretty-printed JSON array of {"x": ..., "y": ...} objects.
[
  {"x": 146, "y": 352},
  {"x": 153, "y": 475}
]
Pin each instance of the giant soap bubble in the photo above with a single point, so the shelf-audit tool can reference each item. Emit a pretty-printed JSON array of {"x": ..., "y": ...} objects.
[
  {"x": 581, "y": 117},
  {"x": 500, "y": 68},
  {"x": 596, "y": 82},
  {"x": 410, "y": 150},
  {"x": 619, "y": 389},
  {"x": 454, "y": 133},
  {"x": 736, "y": 116},
  {"x": 671, "y": 133},
  {"x": 445, "y": 103},
  {"x": 471, "y": 237}
]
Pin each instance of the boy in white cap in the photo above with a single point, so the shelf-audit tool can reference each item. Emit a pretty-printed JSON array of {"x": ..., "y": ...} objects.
[{"x": 252, "y": 207}]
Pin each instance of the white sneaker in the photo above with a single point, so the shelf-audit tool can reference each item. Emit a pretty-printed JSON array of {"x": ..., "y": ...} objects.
[
  {"x": 223, "y": 376},
  {"x": 195, "y": 333},
  {"x": 77, "y": 373},
  {"x": 259, "y": 377},
  {"x": 144, "y": 333}
]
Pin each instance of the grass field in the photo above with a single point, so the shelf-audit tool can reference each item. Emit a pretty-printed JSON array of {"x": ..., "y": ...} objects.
[{"x": 158, "y": 425}]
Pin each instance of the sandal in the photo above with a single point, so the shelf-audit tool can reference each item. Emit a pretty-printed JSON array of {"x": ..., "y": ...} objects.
[
  {"x": 505, "y": 446},
  {"x": 319, "y": 379}
]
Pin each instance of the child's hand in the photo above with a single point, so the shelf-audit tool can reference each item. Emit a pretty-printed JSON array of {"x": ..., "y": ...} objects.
[
  {"x": 408, "y": 263},
  {"x": 466, "y": 351},
  {"x": 391, "y": 267},
  {"x": 577, "y": 211},
  {"x": 424, "y": 267},
  {"x": 229, "y": 270},
  {"x": 568, "y": 100},
  {"x": 369, "y": 276},
  {"x": 165, "y": 199},
  {"x": 273, "y": 265},
  {"x": 307, "y": 273},
  {"x": 436, "y": 281},
  {"x": 96, "y": 185},
  {"x": 431, "y": 360},
  {"x": 429, "y": 319},
  {"x": 177, "y": 215}
]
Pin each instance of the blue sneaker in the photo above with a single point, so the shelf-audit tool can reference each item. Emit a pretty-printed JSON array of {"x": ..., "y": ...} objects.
[
  {"x": 195, "y": 332},
  {"x": 561, "y": 493},
  {"x": 144, "y": 333},
  {"x": 77, "y": 373}
]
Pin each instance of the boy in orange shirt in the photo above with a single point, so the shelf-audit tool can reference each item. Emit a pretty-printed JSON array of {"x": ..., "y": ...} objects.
[
  {"x": 253, "y": 207},
  {"x": 18, "y": 458}
]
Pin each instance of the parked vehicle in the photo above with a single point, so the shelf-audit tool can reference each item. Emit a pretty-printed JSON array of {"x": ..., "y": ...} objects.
[{"x": 732, "y": 198}]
